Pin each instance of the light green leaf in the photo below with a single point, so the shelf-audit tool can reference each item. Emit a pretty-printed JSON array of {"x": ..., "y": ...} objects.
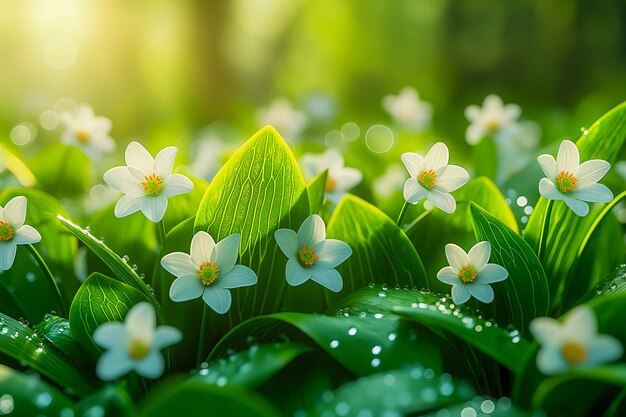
[
  {"x": 524, "y": 294},
  {"x": 62, "y": 170},
  {"x": 317, "y": 190}
]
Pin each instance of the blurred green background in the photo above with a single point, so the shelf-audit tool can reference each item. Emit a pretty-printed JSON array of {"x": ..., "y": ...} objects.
[{"x": 184, "y": 64}]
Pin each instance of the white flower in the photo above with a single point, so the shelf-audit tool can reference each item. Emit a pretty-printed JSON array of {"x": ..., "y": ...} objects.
[
  {"x": 288, "y": 121},
  {"x": 134, "y": 345},
  {"x": 573, "y": 344},
  {"x": 147, "y": 182},
  {"x": 493, "y": 119},
  {"x": 89, "y": 132},
  {"x": 391, "y": 181},
  {"x": 340, "y": 179},
  {"x": 207, "y": 157},
  {"x": 573, "y": 182},
  {"x": 13, "y": 231},
  {"x": 433, "y": 178},
  {"x": 208, "y": 272},
  {"x": 312, "y": 256},
  {"x": 470, "y": 274},
  {"x": 407, "y": 110}
]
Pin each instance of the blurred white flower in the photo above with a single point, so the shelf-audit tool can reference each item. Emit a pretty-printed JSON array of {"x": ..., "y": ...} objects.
[
  {"x": 573, "y": 182},
  {"x": 573, "y": 344},
  {"x": 433, "y": 178},
  {"x": 407, "y": 110},
  {"x": 207, "y": 154},
  {"x": 340, "y": 178},
  {"x": 13, "y": 231},
  {"x": 288, "y": 121},
  {"x": 100, "y": 196},
  {"x": 470, "y": 274},
  {"x": 312, "y": 256},
  {"x": 391, "y": 181},
  {"x": 87, "y": 131},
  {"x": 135, "y": 344},
  {"x": 494, "y": 118},
  {"x": 147, "y": 182}
]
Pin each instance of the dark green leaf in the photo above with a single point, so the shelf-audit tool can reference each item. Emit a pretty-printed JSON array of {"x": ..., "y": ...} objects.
[
  {"x": 484, "y": 406},
  {"x": 110, "y": 400},
  {"x": 56, "y": 330}
]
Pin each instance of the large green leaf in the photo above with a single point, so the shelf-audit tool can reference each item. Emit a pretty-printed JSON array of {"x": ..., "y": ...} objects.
[
  {"x": 524, "y": 294},
  {"x": 62, "y": 170},
  {"x": 484, "y": 406},
  {"x": 317, "y": 191},
  {"x": 56, "y": 330},
  {"x": 435, "y": 229},
  {"x": 24, "y": 345},
  {"x": 100, "y": 299},
  {"x": 110, "y": 400},
  {"x": 413, "y": 389},
  {"x": 24, "y": 395},
  {"x": 381, "y": 252}
]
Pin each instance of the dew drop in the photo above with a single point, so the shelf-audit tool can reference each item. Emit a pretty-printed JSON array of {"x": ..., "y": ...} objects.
[
  {"x": 382, "y": 294},
  {"x": 375, "y": 363},
  {"x": 125, "y": 258},
  {"x": 376, "y": 350},
  {"x": 334, "y": 344},
  {"x": 221, "y": 381},
  {"x": 378, "y": 315},
  {"x": 43, "y": 400},
  {"x": 6, "y": 404},
  {"x": 487, "y": 407},
  {"x": 391, "y": 337},
  {"x": 352, "y": 331},
  {"x": 384, "y": 287}
]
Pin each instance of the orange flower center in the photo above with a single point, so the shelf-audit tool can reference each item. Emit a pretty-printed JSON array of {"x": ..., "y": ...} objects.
[
  {"x": 427, "y": 179},
  {"x": 331, "y": 184},
  {"x": 566, "y": 181},
  {"x": 82, "y": 135},
  {"x": 208, "y": 272},
  {"x": 467, "y": 274},
  {"x": 138, "y": 349},
  {"x": 492, "y": 126},
  {"x": 153, "y": 185},
  {"x": 307, "y": 256},
  {"x": 6, "y": 231},
  {"x": 573, "y": 352}
]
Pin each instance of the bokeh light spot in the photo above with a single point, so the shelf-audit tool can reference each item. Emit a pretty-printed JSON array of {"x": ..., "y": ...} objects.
[{"x": 379, "y": 138}]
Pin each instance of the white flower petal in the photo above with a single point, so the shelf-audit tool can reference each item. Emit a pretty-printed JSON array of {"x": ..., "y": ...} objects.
[
  {"x": 580, "y": 324},
  {"x": 7, "y": 254},
  {"x": 448, "y": 276},
  {"x": 111, "y": 335},
  {"x": 179, "y": 264},
  {"x": 219, "y": 299},
  {"x": 152, "y": 366},
  {"x": 312, "y": 231},
  {"x": 413, "y": 192},
  {"x": 475, "y": 133},
  {"x": 580, "y": 208},
  {"x": 460, "y": 293},
  {"x": 141, "y": 321},
  {"x": 128, "y": 205},
  {"x": 295, "y": 273},
  {"x": 154, "y": 208},
  {"x": 186, "y": 288},
  {"x": 479, "y": 255},
  {"x": 347, "y": 178},
  {"x": 164, "y": 161},
  {"x": 328, "y": 278},
  {"x": 25, "y": 235},
  {"x": 593, "y": 193},
  {"x": 124, "y": 181},
  {"x": 139, "y": 158},
  {"x": 453, "y": 178},
  {"x": 591, "y": 171},
  {"x": 603, "y": 349},
  {"x": 413, "y": 163},
  {"x": 436, "y": 157},
  {"x": 491, "y": 273},
  {"x": 15, "y": 211},
  {"x": 548, "y": 165},
  {"x": 202, "y": 246},
  {"x": 481, "y": 292},
  {"x": 546, "y": 330},
  {"x": 550, "y": 361},
  {"x": 548, "y": 190},
  {"x": 287, "y": 241},
  {"x": 442, "y": 199},
  {"x": 176, "y": 185},
  {"x": 492, "y": 102},
  {"x": 238, "y": 276},
  {"x": 113, "y": 364},
  {"x": 226, "y": 252},
  {"x": 473, "y": 112},
  {"x": 568, "y": 158},
  {"x": 331, "y": 252},
  {"x": 165, "y": 336},
  {"x": 457, "y": 258}
]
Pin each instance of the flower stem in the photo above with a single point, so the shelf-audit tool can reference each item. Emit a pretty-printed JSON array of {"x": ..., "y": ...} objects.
[
  {"x": 48, "y": 274},
  {"x": 405, "y": 207},
  {"x": 157, "y": 283},
  {"x": 203, "y": 336},
  {"x": 410, "y": 226},
  {"x": 543, "y": 241}
]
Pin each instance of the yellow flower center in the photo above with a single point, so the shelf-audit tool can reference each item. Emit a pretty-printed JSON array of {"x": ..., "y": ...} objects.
[
  {"x": 467, "y": 274},
  {"x": 307, "y": 256},
  {"x": 331, "y": 184},
  {"x": 573, "y": 352},
  {"x": 82, "y": 135},
  {"x": 138, "y": 349},
  {"x": 153, "y": 185},
  {"x": 208, "y": 272},
  {"x": 566, "y": 181},
  {"x": 6, "y": 231},
  {"x": 492, "y": 126},
  {"x": 427, "y": 179}
]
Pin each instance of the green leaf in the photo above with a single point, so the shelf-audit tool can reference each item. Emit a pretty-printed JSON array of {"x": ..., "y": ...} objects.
[
  {"x": 317, "y": 190},
  {"x": 198, "y": 399},
  {"x": 24, "y": 345},
  {"x": 110, "y": 400},
  {"x": 441, "y": 228},
  {"x": 30, "y": 396},
  {"x": 524, "y": 294},
  {"x": 481, "y": 406},
  {"x": 381, "y": 252},
  {"x": 100, "y": 299},
  {"x": 251, "y": 367},
  {"x": 63, "y": 171},
  {"x": 17, "y": 167},
  {"x": 56, "y": 330},
  {"x": 406, "y": 391},
  {"x": 485, "y": 157}
]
